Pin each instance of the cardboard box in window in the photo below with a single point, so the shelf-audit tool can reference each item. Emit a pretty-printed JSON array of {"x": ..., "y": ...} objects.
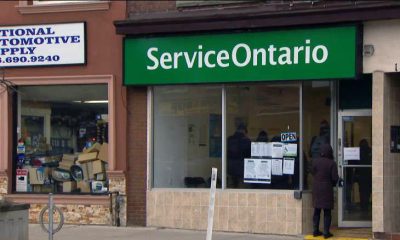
[
  {"x": 36, "y": 175},
  {"x": 87, "y": 169},
  {"x": 37, "y": 188},
  {"x": 103, "y": 154},
  {"x": 70, "y": 157},
  {"x": 98, "y": 166},
  {"x": 84, "y": 186},
  {"x": 69, "y": 186},
  {"x": 101, "y": 176},
  {"x": 47, "y": 188},
  {"x": 66, "y": 164},
  {"x": 85, "y": 157},
  {"x": 94, "y": 148}
]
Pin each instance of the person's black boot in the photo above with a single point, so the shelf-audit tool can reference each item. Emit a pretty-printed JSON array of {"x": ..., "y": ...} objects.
[
  {"x": 327, "y": 225},
  {"x": 316, "y": 231}
]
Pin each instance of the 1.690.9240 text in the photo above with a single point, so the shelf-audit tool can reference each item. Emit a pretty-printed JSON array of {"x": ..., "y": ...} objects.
[{"x": 30, "y": 59}]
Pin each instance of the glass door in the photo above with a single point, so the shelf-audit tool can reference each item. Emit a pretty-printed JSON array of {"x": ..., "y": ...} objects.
[{"x": 355, "y": 168}]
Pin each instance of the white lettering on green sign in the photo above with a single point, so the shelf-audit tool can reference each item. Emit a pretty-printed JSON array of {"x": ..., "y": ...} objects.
[{"x": 223, "y": 58}]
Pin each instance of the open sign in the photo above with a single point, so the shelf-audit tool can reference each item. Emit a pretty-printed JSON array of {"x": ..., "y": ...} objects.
[{"x": 288, "y": 137}]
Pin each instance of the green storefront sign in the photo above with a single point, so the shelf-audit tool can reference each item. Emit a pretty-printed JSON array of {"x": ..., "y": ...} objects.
[{"x": 302, "y": 54}]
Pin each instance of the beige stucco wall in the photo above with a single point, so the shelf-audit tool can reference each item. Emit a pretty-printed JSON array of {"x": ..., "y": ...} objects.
[
  {"x": 378, "y": 119},
  {"x": 273, "y": 212},
  {"x": 384, "y": 36},
  {"x": 385, "y": 165},
  {"x": 392, "y": 160}
]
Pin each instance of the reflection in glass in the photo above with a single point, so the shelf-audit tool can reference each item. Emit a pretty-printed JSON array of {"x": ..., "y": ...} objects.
[
  {"x": 316, "y": 125},
  {"x": 187, "y": 135},
  {"x": 357, "y": 173},
  {"x": 259, "y": 112}
]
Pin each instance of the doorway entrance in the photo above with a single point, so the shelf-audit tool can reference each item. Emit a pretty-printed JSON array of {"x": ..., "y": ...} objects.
[{"x": 355, "y": 168}]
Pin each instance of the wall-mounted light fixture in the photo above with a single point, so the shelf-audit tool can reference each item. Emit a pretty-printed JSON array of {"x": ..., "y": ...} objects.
[{"x": 368, "y": 50}]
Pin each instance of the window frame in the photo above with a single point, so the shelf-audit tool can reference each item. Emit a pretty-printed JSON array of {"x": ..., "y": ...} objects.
[
  {"x": 49, "y": 2},
  {"x": 34, "y": 7},
  {"x": 6, "y": 125},
  {"x": 194, "y": 3},
  {"x": 150, "y": 134}
]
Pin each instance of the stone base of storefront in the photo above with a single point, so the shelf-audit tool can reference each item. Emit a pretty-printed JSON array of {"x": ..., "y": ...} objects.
[
  {"x": 271, "y": 212},
  {"x": 3, "y": 185},
  {"x": 78, "y": 209},
  {"x": 76, "y": 214}
]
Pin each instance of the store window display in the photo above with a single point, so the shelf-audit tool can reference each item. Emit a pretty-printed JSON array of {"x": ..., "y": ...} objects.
[
  {"x": 62, "y": 144},
  {"x": 263, "y": 110},
  {"x": 188, "y": 140}
]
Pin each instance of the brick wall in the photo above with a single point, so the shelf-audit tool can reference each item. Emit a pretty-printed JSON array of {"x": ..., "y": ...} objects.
[
  {"x": 137, "y": 158},
  {"x": 135, "y": 7}
]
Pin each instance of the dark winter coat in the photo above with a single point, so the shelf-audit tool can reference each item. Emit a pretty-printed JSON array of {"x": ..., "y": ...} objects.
[
  {"x": 325, "y": 175},
  {"x": 239, "y": 148}
]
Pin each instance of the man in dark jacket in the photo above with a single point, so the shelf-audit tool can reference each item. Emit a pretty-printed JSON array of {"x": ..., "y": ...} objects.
[
  {"x": 325, "y": 174},
  {"x": 239, "y": 148}
]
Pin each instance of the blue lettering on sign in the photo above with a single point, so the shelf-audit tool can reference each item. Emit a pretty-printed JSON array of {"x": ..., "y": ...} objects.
[
  {"x": 22, "y": 41},
  {"x": 288, "y": 137}
]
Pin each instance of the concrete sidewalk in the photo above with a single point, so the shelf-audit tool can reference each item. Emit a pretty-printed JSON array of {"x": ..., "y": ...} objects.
[{"x": 85, "y": 232}]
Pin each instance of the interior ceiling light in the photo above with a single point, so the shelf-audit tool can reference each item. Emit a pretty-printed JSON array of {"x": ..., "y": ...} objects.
[{"x": 92, "y": 101}]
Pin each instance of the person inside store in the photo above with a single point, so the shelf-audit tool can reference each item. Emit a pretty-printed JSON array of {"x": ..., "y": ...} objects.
[
  {"x": 262, "y": 136},
  {"x": 325, "y": 173},
  {"x": 318, "y": 141},
  {"x": 239, "y": 148},
  {"x": 364, "y": 174}
]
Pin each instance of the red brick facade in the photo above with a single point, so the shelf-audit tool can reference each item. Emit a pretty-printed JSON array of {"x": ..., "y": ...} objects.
[
  {"x": 134, "y": 7},
  {"x": 137, "y": 156}
]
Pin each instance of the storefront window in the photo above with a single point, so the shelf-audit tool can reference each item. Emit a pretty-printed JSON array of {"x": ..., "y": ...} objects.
[
  {"x": 316, "y": 123},
  {"x": 260, "y": 113},
  {"x": 62, "y": 140},
  {"x": 187, "y": 135}
]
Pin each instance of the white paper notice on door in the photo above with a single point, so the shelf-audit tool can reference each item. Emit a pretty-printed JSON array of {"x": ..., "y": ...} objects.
[
  {"x": 351, "y": 153},
  {"x": 277, "y": 167},
  {"x": 288, "y": 166}
]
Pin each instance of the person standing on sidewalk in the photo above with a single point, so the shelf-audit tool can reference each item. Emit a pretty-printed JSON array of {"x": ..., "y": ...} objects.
[{"x": 325, "y": 174}]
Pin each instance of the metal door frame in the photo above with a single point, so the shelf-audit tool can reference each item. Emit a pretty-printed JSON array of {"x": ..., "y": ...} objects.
[{"x": 341, "y": 114}]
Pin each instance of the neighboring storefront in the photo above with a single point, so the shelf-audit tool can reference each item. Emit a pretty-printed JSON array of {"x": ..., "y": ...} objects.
[
  {"x": 287, "y": 89},
  {"x": 61, "y": 101}
]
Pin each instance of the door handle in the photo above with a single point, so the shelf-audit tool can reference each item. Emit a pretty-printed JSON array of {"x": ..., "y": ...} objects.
[
  {"x": 339, "y": 152},
  {"x": 340, "y": 182}
]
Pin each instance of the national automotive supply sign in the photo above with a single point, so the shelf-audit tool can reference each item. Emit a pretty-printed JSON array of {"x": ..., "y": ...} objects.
[
  {"x": 40, "y": 45},
  {"x": 300, "y": 54}
]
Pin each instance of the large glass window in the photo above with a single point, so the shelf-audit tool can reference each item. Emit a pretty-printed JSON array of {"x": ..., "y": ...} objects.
[
  {"x": 259, "y": 113},
  {"x": 187, "y": 135},
  {"x": 62, "y": 139},
  {"x": 316, "y": 123}
]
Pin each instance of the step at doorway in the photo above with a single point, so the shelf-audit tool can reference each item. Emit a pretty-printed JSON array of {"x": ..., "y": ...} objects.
[{"x": 346, "y": 234}]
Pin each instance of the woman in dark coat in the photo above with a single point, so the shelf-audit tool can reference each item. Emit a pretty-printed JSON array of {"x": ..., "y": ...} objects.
[{"x": 325, "y": 174}]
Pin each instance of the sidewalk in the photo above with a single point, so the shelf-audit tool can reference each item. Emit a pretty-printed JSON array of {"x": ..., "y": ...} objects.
[{"x": 86, "y": 232}]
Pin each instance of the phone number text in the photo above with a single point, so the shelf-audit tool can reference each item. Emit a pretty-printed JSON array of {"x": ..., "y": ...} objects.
[{"x": 30, "y": 59}]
